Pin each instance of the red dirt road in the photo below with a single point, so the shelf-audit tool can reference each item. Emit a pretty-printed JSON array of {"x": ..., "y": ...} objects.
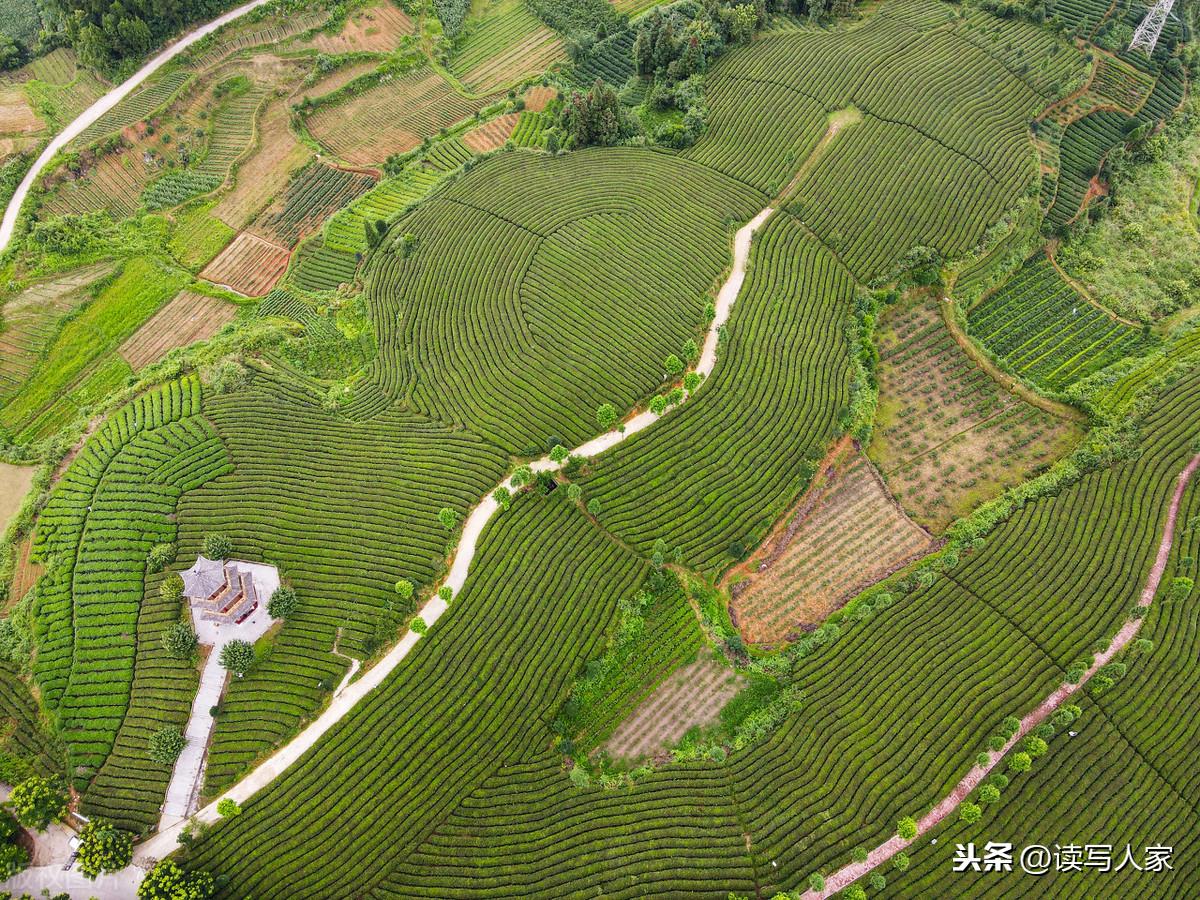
[{"x": 849, "y": 874}]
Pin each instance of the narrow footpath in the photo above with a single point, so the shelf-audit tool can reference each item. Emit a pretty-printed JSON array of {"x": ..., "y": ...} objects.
[{"x": 847, "y": 875}]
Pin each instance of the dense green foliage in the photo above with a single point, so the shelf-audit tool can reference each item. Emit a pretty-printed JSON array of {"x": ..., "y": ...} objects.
[
  {"x": 772, "y": 404},
  {"x": 1042, "y": 328},
  {"x": 99, "y": 623},
  {"x": 102, "y": 848}
]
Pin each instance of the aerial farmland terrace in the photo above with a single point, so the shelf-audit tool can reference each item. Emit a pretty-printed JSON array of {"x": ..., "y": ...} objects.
[{"x": 697, "y": 449}]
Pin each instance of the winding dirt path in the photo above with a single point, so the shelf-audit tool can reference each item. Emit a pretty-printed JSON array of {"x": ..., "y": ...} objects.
[
  {"x": 103, "y": 105},
  {"x": 851, "y": 873},
  {"x": 349, "y": 693}
]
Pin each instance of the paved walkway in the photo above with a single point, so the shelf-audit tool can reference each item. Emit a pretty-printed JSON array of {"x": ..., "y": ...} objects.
[
  {"x": 183, "y": 793},
  {"x": 348, "y": 695},
  {"x": 118, "y": 886},
  {"x": 104, "y": 104},
  {"x": 847, "y": 875}
]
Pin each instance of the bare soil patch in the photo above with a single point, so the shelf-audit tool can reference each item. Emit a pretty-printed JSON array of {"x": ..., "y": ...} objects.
[
  {"x": 16, "y": 115},
  {"x": 390, "y": 118},
  {"x": 491, "y": 135},
  {"x": 537, "y": 98},
  {"x": 26, "y": 572},
  {"x": 249, "y": 265},
  {"x": 948, "y": 435},
  {"x": 266, "y": 171},
  {"x": 188, "y": 318},
  {"x": 693, "y": 695},
  {"x": 377, "y": 29},
  {"x": 852, "y": 535},
  {"x": 15, "y": 482}
]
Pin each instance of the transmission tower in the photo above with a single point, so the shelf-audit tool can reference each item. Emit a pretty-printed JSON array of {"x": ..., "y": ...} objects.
[{"x": 1148, "y": 32}]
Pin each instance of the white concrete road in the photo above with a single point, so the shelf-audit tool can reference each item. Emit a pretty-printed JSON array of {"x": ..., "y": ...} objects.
[{"x": 103, "y": 105}]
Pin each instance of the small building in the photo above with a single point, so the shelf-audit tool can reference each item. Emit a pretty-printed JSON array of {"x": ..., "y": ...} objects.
[{"x": 220, "y": 590}]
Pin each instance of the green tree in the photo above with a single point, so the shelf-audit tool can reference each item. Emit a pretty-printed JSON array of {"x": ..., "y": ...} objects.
[
  {"x": 103, "y": 848},
  {"x": 691, "y": 381},
  {"x": 606, "y": 416},
  {"x": 593, "y": 506},
  {"x": 283, "y": 603},
  {"x": 1020, "y": 762},
  {"x": 1179, "y": 588},
  {"x": 179, "y": 640},
  {"x": 901, "y": 861},
  {"x": 10, "y": 52},
  {"x": 166, "y": 744},
  {"x": 1035, "y": 746},
  {"x": 673, "y": 364},
  {"x": 574, "y": 492},
  {"x": 448, "y": 517},
  {"x": 559, "y": 453},
  {"x": 816, "y": 882},
  {"x": 14, "y": 859},
  {"x": 907, "y": 828},
  {"x": 595, "y": 118},
  {"x": 989, "y": 793},
  {"x": 237, "y": 656},
  {"x": 227, "y": 808},
  {"x": 690, "y": 350},
  {"x": 970, "y": 813},
  {"x": 36, "y": 802},
  {"x": 418, "y": 625},
  {"x": 446, "y": 592},
  {"x": 161, "y": 556},
  {"x": 522, "y": 476},
  {"x": 171, "y": 588},
  {"x": 166, "y": 881},
  {"x": 404, "y": 589},
  {"x": 502, "y": 496},
  {"x": 217, "y": 546}
]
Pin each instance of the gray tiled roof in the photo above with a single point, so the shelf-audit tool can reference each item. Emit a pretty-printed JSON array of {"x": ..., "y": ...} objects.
[{"x": 206, "y": 576}]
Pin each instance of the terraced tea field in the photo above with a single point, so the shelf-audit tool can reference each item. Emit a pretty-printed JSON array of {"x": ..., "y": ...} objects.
[{"x": 1044, "y": 330}]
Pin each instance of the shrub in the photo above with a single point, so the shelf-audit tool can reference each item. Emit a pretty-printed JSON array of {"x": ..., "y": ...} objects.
[
  {"x": 283, "y": 603},
  {"x": 970, "y": 813},
  {"x": 36, "y": 802},
  {"x": 574, "y": 493},
  {"x": 171, "y": 589},
  {"x": 161, "y": 556},
  {"x": 855, "y": 892},
  {"x": 404, "y": 589},
  {"x": 877, "y": 881},
  {"x": 446, "y": 592},
  {"x": 673, "y": 364},
  {"x": 593, "y": 506},
  {"x": 1020, "y": 762},
  {"x": 227, "y": 808},
  {"x": 982, "y": 759},
  {"x": 502, "y": 496},
  {"x": 13, "y": 860},
  {"x": 1035, "y": 746},
  {"x": 989, "y": 793},
  {"x": 1100, "y": 685},
  {"x": 901, "y": 861},
  {"x": 217, "y": 546},
  {"x": 179, "y": 640},
  {"x": 102, "y": 848},
  {"x": 816, "y": 882},
  {"x": 166, "y": 744},
  {"x": 237, "y": 657},
  {"x": 448, "y": 518},
  {"x": 418, "y": 625},
  {"x": 859, "y": 854},
  {"x": 1179, "y": 588},
  {"x": 907, "y": 828},
  {"x": 996, "y": 743},
  {"x": 166, "y": 881},
  {"x": 559, "y": 453}
]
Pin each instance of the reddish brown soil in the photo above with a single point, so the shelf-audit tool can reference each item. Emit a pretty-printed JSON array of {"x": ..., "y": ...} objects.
[
  {"x": 189, "y": 318},
  {"x": 249, "y": 265},
  {"x": 491, "y": 135}
]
